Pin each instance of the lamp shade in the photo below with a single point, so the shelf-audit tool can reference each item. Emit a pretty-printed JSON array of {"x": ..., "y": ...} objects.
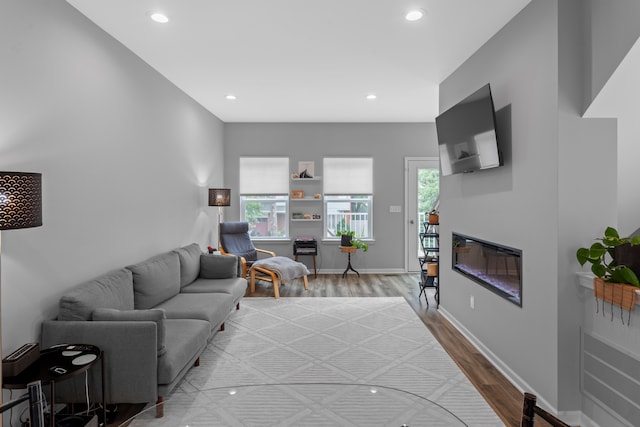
[
  {"x": 219, "y": 197},
  {"x": 20, "y": 200}
]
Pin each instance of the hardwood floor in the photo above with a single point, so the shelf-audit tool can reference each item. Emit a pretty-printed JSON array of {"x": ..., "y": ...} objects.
[{"x": 503, "y": 397}]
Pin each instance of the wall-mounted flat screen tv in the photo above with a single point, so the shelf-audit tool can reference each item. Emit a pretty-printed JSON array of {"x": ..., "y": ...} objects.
[{"x": 467, "y": 137}]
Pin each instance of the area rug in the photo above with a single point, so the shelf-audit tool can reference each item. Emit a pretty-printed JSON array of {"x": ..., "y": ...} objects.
[{"x": 378, "y": 342}]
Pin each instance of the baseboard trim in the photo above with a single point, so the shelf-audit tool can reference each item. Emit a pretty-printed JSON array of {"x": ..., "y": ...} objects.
[{"x": 513, "y": 377}]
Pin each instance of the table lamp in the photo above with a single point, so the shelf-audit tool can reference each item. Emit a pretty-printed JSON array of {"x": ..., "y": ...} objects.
[
  {"x": 20, "y": 207},
  {"x": 219, "y": 197}
]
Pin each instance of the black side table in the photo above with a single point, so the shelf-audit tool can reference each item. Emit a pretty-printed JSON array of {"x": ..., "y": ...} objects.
[
  {"x": 349, "y": 250},
  {"x": 59, "y": 363},
  {"x": 306, "y": 247}
]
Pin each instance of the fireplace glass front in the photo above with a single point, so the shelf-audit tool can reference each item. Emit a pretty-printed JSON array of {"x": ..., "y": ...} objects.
[{"x": 496, "y": 267}]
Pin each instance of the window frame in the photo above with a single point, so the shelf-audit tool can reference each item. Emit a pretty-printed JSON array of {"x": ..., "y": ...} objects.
[
  {"x": 344, "y": 171},
  {"x": 348, "y": 198},
  {"x": 253, "y": 190}
]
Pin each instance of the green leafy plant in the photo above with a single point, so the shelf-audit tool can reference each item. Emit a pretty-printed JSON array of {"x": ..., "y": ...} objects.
[
  {"x": 601, "y": 256},
  {"x": 354, "y": 240}
]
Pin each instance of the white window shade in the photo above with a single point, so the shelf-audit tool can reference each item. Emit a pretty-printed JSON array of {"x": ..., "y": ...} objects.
[
  {"x": 348, "y": 175},
  {"x": 264, "y": 175}
]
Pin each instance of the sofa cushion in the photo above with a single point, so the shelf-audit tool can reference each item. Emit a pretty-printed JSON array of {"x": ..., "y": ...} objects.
[
  {"x": 218, "y": 266},
  {"x": 155, "y": 315},
  {"x": 214, "y": 308},
  {"x": 235, "y": 286},
  {"x": 111, "y": 290},
  {"x": 155, "y": 280},
  {"x": 189, "y": 263},
  {"x": 186, "y": 338}
]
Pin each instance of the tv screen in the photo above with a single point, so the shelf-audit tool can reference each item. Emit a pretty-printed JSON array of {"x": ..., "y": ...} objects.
[{"x": 467, "y": 138}]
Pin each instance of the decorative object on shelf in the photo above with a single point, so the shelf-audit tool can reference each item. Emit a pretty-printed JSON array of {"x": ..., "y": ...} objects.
[
  {"x": 211, "y": 249},
  {"x": 614, "y": 282},
  {"x": 219, "y": 197},
  {"x": 297, "y": 215},
  {"x": 430, "y": 258},
  {"x": 432, "y": 269},
  {"x": 307, "y": 216},
  {"x": 316, "y": 216},
  {"x": 297, "y": 194},
  {"x": 20, "y": 206},
  {"x": 317, "y": 196},
  {"x": 433, "y": 217},
  {"x": 306, "y": 169}
]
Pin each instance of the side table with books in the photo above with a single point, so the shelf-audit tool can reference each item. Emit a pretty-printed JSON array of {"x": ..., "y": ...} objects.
[{"x": 306, "y": 246}]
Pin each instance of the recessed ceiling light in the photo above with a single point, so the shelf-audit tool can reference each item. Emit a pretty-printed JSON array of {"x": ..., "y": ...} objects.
[
  {"x": 371, "y": 97},
  {"x": 414, "y": 15},
  {"x": 158, "y": 17},
  {"x": 231, "y": 97}
]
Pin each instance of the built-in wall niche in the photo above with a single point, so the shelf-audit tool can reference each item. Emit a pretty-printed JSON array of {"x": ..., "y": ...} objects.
[{"x": 494, "y": 266}]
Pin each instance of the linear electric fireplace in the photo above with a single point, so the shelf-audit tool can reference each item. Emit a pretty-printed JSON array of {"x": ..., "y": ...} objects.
[{"x": 496, "y": 267}]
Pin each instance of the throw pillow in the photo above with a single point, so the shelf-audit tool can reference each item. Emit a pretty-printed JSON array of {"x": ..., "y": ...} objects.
[
  {"x": 156, "y": 315},
  {"x": 218, "y": 266}
]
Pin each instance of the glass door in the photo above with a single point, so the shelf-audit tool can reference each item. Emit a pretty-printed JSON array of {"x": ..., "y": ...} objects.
[{"x": 422, "y": 177}]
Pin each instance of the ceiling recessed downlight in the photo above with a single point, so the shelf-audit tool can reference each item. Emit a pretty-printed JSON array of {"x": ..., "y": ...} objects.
[
  {"x": 371, "y": 96},
  {"x": 231, "y": 97},
  {"x": 414, "y": 15},
  {"x": 158, "y": 17}
]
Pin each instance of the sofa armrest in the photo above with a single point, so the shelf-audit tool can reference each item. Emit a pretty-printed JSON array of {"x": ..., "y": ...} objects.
[{"x": 129, "y": 356}]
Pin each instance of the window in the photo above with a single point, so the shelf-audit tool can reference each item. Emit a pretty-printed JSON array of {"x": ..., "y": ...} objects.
[
  {"x": 264, "y": 196},
  {"x": 348, "y": 196}
]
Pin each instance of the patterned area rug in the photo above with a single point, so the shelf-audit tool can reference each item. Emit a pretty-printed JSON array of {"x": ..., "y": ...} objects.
[{"x": 378, "y": 342}]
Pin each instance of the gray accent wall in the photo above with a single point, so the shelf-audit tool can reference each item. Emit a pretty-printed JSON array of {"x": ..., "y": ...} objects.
[
  {"x": 538, "y": 202},
  {"x": 125, "y": 157},
  {"x": 387, "y": 143}
]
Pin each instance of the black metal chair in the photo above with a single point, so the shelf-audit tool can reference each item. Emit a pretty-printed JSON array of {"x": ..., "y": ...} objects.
[{"x": 530, "y": 410}]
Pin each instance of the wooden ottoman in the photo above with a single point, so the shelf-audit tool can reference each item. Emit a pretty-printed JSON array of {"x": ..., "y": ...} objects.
[{"x": 277, "y": 270}]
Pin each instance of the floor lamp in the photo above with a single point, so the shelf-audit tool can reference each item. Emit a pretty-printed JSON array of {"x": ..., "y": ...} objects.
[
  {"x": 219, "y": 197},
  {"x": 20, "y": 207}
]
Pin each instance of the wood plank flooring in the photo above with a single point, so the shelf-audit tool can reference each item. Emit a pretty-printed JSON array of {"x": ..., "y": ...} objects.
[{"x": 501, "y": 395}]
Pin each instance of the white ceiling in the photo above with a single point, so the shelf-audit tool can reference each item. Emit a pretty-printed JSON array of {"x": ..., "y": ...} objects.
[{"x": 303, "y": 60}]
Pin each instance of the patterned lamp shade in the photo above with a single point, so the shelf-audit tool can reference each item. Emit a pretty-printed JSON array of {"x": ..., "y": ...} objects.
[
  {"x": 20, "y": 200},
  {"x": 219, "y": 197}
]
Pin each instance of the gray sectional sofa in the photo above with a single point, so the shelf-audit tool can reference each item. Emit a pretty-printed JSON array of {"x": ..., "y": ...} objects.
[{"x": 152, "y": 320}]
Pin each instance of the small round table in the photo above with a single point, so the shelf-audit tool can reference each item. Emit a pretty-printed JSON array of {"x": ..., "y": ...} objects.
[
  {"x": 349, "y": 250},
  {"x": 59, "y": 363}
]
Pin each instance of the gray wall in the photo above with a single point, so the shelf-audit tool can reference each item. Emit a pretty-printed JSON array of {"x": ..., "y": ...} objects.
[
  {"x": 612, "y": 30},
  {"x": 515, "y": 205},
  {"x": 387, "y": 143},
  {"x": 126, "y": 158},
  {"x": 537, "y": 202}
]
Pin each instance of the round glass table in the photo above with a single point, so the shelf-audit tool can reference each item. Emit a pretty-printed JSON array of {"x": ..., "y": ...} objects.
[{"x": 305, "y": 405}]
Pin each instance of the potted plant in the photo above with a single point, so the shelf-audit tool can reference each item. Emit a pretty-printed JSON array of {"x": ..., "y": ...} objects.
[
  {"x": 348, "y": 238},
  {"x": 614, "y": 282},
  {"x": 433, "y": 217}
]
